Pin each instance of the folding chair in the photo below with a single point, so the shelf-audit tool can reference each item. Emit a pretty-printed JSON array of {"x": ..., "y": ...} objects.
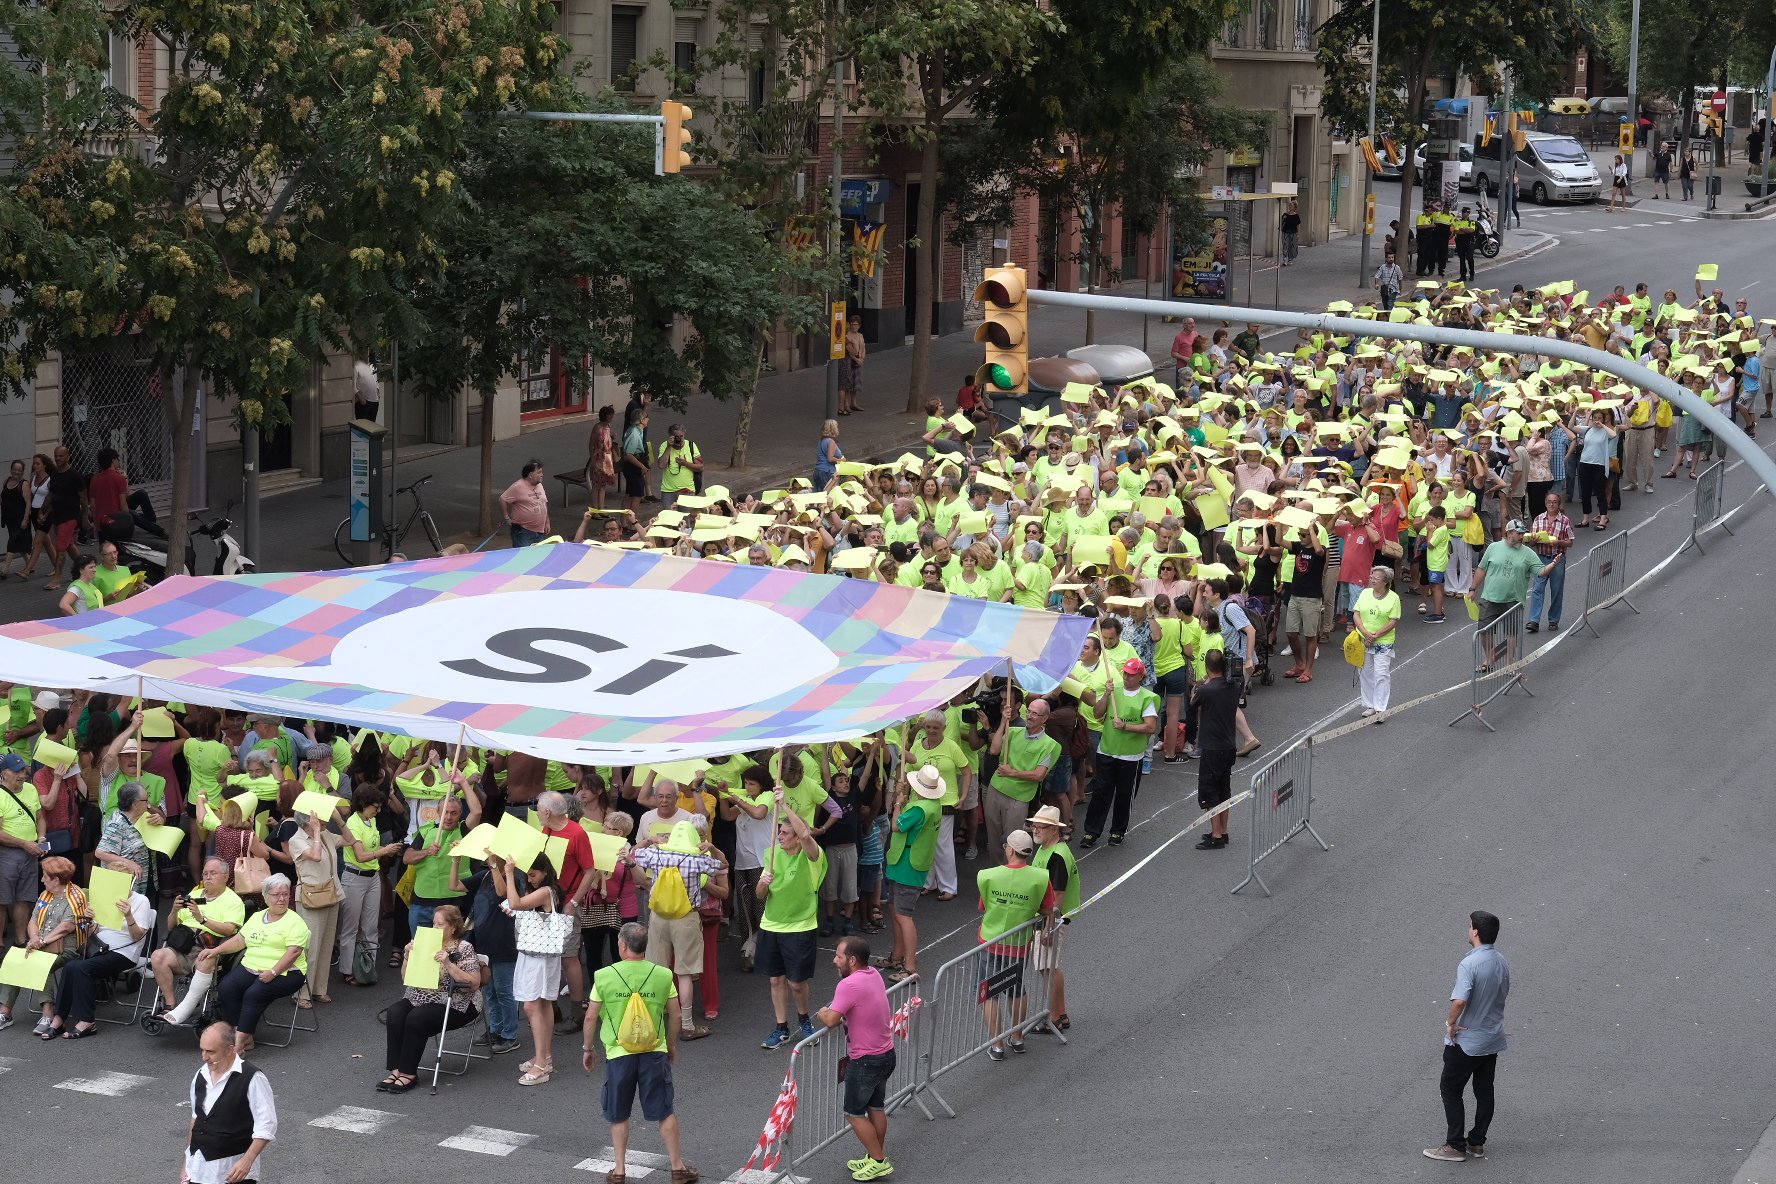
[
  {"x": 466, "y": 1034},
  {"x": 288, "y": 1027},
  {"x": 146, "y": 993}
]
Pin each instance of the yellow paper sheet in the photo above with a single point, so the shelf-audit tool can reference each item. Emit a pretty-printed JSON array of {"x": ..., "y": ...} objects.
[
  {"x": 27, "y": 970},
  {"x": 555, "y": 849},
  {"x": 474, "y": 844},
  {"x": 1213, "y": 508},
  {"x": 59, "y": 757},
  {"x": 1091, "y": 548},
  {"x": 974, "y": 522},
  {"x": 1707, "y": 273},
  {"x": 106, "y": 892},
  {"x": 606, "y": 849},
  {"x": 422, "y": 970},
  {"x": 164, "y": 839},
  {"x": 960, "y": 424},
  {"x": 321, "y": 805},
  {"x": 517, "y": 842}
]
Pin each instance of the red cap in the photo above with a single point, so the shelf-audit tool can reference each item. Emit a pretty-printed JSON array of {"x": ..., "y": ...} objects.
[{"x": 1134, "y": 666}]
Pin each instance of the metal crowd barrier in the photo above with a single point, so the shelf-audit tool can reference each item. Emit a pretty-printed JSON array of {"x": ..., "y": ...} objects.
[
  {"x": 957, "y": 1027},
  {"x": 1282, "y": 802},
  {"x": 1711, "y": 493},
  {"x": 814, "y": 1063},
  {"x": 1499, "y": 652},
  {"x": 1606, "y": 579}
]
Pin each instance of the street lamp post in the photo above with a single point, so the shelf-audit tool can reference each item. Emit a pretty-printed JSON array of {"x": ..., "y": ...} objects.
[
  {"x": 1769, "y": 126},
  {"x": 1634, "y": 84},
  {"x": 1368, "y": 173}
]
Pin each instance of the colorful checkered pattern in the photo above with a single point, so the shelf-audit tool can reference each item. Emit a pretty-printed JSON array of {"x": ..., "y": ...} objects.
[{"x": 898, "y": 651}]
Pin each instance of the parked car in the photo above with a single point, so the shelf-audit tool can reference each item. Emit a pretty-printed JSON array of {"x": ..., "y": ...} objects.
[{"x": 1467, "y": 166}]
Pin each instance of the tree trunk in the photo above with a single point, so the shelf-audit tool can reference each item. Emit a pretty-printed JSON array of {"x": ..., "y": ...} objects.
[
  {"x": 1089, "y": 249},
  {"x": 1415, "y": 88},
  {"x": 181, "y": 408},
  {"x": 924, "y": 266},
  {"x": 484, "y": 524},
  {"x": 743, "y": 426}
]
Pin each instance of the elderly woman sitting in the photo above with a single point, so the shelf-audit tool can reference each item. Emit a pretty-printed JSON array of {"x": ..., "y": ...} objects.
[
  {"x": 60, "y": 923},
  {"x": 273, "y": 945},
  {"x": 112, "y": 952},
  {"x": 121, "y": 847},
  {"x": 422, "y": 1014}
]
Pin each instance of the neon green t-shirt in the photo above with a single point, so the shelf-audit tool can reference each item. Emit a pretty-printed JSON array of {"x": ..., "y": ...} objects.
[
  {"x": 1437, "y": 549},
  {"x": 205, "y": 759},
  {"x": 611, "y": 988},
  {"x": 269, "y": 940},
  {"x": 794, "y": 898},
  {"x": 1377, "y": 611}
]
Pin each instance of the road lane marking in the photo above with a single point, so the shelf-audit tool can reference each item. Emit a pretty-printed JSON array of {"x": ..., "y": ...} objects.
[
  {"x": 488, "y": 1140},
  {"x": 357, "y": 1119},
  {"x": 106, "y": 1085},
  {"x": 640, "y": 1163}
]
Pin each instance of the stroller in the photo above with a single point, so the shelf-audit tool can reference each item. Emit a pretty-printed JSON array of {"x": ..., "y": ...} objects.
[{"x": 1263, "y": 613}]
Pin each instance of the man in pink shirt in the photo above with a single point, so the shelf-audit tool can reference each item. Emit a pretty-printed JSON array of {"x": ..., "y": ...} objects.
[
  {"x": 525, "y": 503},
  {"x": 860, "y": 1002}
]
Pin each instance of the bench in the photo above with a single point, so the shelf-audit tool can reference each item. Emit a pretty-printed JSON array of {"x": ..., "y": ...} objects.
[{"x": 575, "y": 478}]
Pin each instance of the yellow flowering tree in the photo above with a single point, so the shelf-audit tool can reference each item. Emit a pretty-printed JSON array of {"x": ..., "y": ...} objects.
[{"x": 279, "y": 195}]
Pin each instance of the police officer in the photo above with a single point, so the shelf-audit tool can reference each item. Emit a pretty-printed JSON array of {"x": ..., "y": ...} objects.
[
  {"x": 1424, "y": 232},
  {"x": 1466, "y": 234},
  {"x": 1443, "y": 225}
]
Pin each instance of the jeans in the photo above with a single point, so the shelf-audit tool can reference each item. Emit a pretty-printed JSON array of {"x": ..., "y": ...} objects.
[
  {"x": 502, "y": 1011},
  {"x": 1458, "y": 1066},
  {"x": 1112, "y": 792},
  {"x": 1553, "y": 586},
  {"x": 524, "y": 538}
]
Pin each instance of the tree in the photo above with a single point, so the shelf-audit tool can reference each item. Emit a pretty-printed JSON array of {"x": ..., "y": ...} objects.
[
  {"x": 1687, "y": 45},
  {"x": 280, "y": 201},
  {"x": 565, "y": 239},
  {"x": 926, "y": 59},
  {"x": 1421, "y": 39},
  {"x": 1120, "y": 105}
]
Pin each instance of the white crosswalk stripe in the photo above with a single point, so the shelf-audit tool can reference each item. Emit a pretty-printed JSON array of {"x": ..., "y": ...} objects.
[
  {"x": 640, "y": 1165},
  {"x": 6, "y": 1064},
  {"x": 108, "y": 1085},
  {"x": 357, "y": 1119},
  {"x": 755, "y": 1176},
  {"x": 488, "y": 1140}
]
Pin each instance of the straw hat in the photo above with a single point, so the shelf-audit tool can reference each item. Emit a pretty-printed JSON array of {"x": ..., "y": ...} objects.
[
  {"x": 1047, "y": 816},
  {"x": 928, "y": 783}
]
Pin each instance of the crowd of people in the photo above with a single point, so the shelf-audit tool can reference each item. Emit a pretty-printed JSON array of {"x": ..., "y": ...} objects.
[{"x": 1264, "y": 502}]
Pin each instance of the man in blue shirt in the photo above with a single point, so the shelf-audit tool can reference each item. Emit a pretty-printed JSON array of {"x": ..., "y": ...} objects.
[{"x": 1473, "y": 1036}]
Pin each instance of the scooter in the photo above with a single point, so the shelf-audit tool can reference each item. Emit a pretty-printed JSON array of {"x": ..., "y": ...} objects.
[
  {"x": 150, "y": 555},
  {"x": 1489, "y": 235}
]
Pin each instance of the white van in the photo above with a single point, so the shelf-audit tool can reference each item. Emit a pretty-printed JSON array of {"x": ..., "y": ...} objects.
[{"x": 1556, "y": 168}]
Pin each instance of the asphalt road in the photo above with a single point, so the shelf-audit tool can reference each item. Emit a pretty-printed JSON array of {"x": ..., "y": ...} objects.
[{"x": 1616, "y": 823}]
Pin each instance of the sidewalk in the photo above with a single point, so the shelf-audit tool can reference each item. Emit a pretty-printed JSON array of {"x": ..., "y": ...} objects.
[{"x": 297, "y": 526}]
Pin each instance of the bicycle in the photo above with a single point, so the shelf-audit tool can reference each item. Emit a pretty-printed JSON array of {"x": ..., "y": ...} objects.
[{"x": 392, "y": 536}]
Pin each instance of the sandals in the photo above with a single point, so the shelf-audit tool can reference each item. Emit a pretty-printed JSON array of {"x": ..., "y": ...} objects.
[
  {"x": 538, "y": 1075},
  {"x": 401, "y": 1084},
  {"x": 395, "y": 961},
  {"x": 1602, "y": 523},
  {"x": 79, "y": 1033},
  {"x": 349, "y": 981},
  {"x": 945, "y": 896},
  {"x": 695, "y": 1032}
]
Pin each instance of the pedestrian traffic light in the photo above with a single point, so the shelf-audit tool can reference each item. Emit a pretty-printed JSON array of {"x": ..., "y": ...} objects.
[
  {"x": 1005, "y": 332},
  {"x": 677, "y": 153}
]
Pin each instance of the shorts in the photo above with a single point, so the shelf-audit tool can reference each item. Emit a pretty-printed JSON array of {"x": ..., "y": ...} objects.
[
  {"x": 571, "y": 948},
  {"x": 786, "y": 955},
  {"x": 973, "y": 798},
  {"x": 866, "y": 1083},
  {"x": 635, "y": 481},
  {"x": 1174, "y": 683},
  {"x": 994, "y": 960},
  {"x": 868, "y": 876},
  {"x": 1436, "y": 577},
  {"x": 646, "y": 1073},
  {"x": 1304, "y": 615},
  {"x": 1060, "y": 778},
  {"x": 903, "y": 898},
  {"x": 1048, "y": 957},
  {"x": 841, "y": 874},
  {"x": 676, "y": 942},
  {"x": 1619, "y": 183},
  {"x": 18, "y": 876},
  {"x": 1492, "y": 610},
  {"x": 1214, "y": 777}
]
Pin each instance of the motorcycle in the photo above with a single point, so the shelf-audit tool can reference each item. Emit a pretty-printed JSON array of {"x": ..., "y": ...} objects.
[
  {"x": 149, "y": 555},
  {"x": 1489, "y": 235}
]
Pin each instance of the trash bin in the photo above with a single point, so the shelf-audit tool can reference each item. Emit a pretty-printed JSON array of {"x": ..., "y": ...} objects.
[{"x": 1714, "y": 186}]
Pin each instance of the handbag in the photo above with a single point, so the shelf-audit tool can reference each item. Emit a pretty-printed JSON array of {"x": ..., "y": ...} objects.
[
  {"x": 1391, "y": 548},
  {"x": 542, "y": 934},
  {"x": 364, "y": 968},
  {"x": 319, "y": 896},
  {"x": 181, "y": 939},
  {"x": 249, "y": 875},
  {"x": 1355, "y": 652},
  {"x": 61, "y": 841}
]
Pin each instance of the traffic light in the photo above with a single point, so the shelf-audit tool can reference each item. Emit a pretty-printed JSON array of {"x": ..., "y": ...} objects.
[
  {"x": 1005, "y": 332},
  {"x": 1714, "y": 122},
  {"x": 677, "y": 153}
]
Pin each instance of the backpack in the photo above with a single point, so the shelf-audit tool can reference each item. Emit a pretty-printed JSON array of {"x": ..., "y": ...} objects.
[
  {"x": 636, "y": 1031},
  {"x": 669, "y": 898}
]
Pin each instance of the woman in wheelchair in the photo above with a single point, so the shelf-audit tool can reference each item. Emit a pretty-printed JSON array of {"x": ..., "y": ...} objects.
[
  {"x": 110, "y": 953},
  {"x": 273, "y": 949}
]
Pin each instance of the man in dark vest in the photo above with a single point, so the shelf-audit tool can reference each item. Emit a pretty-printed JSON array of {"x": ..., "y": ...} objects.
[{"x": 233, "y": 1116}]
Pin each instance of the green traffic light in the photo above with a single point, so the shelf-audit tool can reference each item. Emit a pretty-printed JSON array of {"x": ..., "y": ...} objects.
[{"x": 1001, "y": 377}]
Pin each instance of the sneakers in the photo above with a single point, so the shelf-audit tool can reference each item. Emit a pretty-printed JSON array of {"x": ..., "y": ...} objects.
[
  {"x": 484, "y": 1040},
  {"x": 1477, "y": 1150},
  {"x": 1086, "y": 842},
  {"x": 776, "y": 1038},
  {"x": 44, "y": 1027},
  {"x": 1435, "y": 618},
  {"x": 1211, "y": 843},
  {"x": 871, "y": 1169},
  {"x": 1115, "y": 839},
  {"x": 1445, "y": 1154},
  {"x": 971, "y": 853},
  {"x": 807, "y": 1029},
  {"x": 5, "y": 1021},
  {"x": 1016, "y": 1046},
  {"x": 995, "y": 1053},
  {"x": 501, "y": 1046},
  {"x": 1532, "y": 627}
]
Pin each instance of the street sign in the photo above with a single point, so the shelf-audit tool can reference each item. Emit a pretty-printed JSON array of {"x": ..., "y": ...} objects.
[
  {"x": 1224, "y": 192},
  {"x": 1369, "y": 214},
  {"x": 1625, "y": 137},
  {"x": 1720, "y": 100},
  {"x": 837, "y": 345}
]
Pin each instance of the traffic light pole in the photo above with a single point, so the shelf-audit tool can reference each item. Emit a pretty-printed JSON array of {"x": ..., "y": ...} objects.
[
  {"x": 1363, "y": 272},
  {"x": 1634, "y": 373},
  {"x": 835, "y": 238}
]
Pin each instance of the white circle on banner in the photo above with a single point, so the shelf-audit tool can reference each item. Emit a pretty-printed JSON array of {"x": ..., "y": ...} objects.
[{"x": 619, "y": 652}]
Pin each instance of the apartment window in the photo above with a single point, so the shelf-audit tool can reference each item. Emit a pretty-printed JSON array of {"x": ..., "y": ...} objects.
[
  {"x": 686, "y": 32},
  {"x": 757, "y": 74},
  {"x": 117, "y": 62},
  {"x": 625, "y": 46}
]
